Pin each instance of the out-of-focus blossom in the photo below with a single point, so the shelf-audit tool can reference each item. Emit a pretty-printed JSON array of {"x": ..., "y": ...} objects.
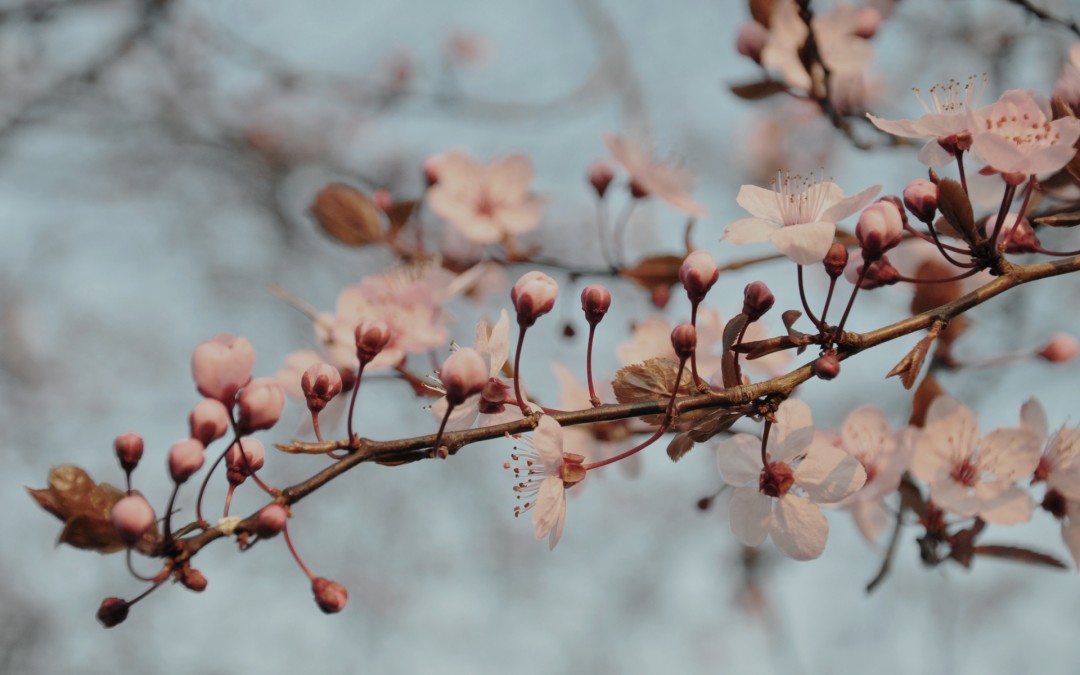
[
  {"x": 1014, "y": 135},
  {"x": 781, "y": 500},
  {"x": 486, "y": 204},
  {"x": 671, "y": 184},
  {"x": 599, "y": 440},
  {"x": 1067, "y": 86},
  {"x": 1016, "y": 234},
  {"x": 1060, "y": 348},
  {"x": 1059, "y": 468},
  {"x": 798, "y": 215},
  {"x": 222, "y": 366},
  {"x": 970, "y": 476}
]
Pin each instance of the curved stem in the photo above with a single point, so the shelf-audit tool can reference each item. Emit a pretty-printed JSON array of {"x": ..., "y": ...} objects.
[
  {"x": 442, "y": 427},
  {"x": 957, "y": 277},
  {"x": 228, "y": 499},
  {"x": 517, "y": 372},
  {"x": 167, "y": 527},
  {"x": 693, "y": 357},
  {"x": 1006, "y": 202},
  {"x": 295, "y": 555},
  {"x": 805, "y": 304},
  {"x": 593, "y": 398},
  {"x": 315, "y": 425},
  {"x": 355, "y": 391},
  {"x": 828, "y": 299},
  {"x": 960, "y": 169},
  {"x": 766, "y": 466},
  {"x": 944, "y": 249},
  {"x": 851, "y": 300},
  {"x": 131, "y": 568}
]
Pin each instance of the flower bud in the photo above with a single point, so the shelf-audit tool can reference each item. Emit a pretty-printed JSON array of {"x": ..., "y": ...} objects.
[
  {"x": 222, "y": 366},
  {"x": 600, "y": 176},
  {"x": 244, "y": 458},
  {"x": 867, "y": 20},
  {"x": 921, "y": 198},
  {"x": 330, "y": 596},
  {"x": 463, "y": 374},
  {"x": 271, "y": 520},
  {"x": 132, "y": 517},
  {"x": 827, "y": 366},
  {"x": 637, "y": 190},
  {"x": 209, "y": 420},
  {"x": 1016, "y": 234},
  {"x": 320, "y": 384},
  {"x": 533, "y": 296},
  {"x": 260, "y": 404},
  {"x": 757, "y": 300},
  {"x": 660, "y": 295},
  {"x": 383, "y": 200},
  {"x": 880, "y": 228},
  {"x": 129, "y": 450},
  {"x": 684, "y": 340},
  {"x": 595, "y": 301},
  {"x": 835, "y": 260},
  {"x": 192, "y": 579},
  {"x": 112, "y": 612},
  {"x": 698, "y": 273},
  {"x": 1062, "y": 347},
  {"x": 431, "y": 169},
  {"x": 185, "y": 458},
  {"x": 751, "y": 40},
  {"x": 880, "y": 273},
  {"x": 371, "y": 337}
]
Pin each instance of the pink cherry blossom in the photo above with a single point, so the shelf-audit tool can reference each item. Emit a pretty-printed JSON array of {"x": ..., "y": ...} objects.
[
  {"x": 672, "y": 185},
  {"x": 946, "y": 124},
  {"x": 544, "y": 472},
  {"x": 222, "y": 366},
  {"x": 797, "y": 215},
  {"x": 1014, "y": 135},
  {"x": 1059, "y": 469},
  {"x": 486, "y": 204},
  {"x": 600, "y": 440},
  {"x": 781, "y": 501},
  {"x": 970, "y": 476}
]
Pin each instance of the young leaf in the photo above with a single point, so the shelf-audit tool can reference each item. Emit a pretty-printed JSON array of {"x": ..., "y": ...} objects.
[{"x": 85, "y": 509}]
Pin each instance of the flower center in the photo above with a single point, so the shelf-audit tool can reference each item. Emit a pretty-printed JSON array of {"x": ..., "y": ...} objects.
[
  {"x": 952, "y": 97},
  {"x": 799, "y": 200},
  {"x": 776, "y": 480},
  {"x": 1055, "y": 503},
  {"x": 1022, "y": 129},
  {"x": 964, "y": 473},
  {"x": 493, "y": 397}
]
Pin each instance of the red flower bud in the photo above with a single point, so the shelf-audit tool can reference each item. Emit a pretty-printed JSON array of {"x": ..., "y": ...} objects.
[
  {"x": 112, "y": 612},
  {"x": 1062, "y": 347},
  {"x": 757, "y": 300},
  {"x": 879, "y": 229},
  {"x": 698, "y": 273},
  {"x": 827, "y": 366},
  {"x": 271, "y": 520},
  {"x": 330, "y": 596},
  {"x": 921, "y": 198},
  {"x": 129, "y": 450},
  {"x": 209, "y": 420},
  {"x": 684, "y": 340},
  {"x": 185, "y": 458},
  {"x": 371, "y": 337},
  {"x": 835, "y": 260},
  {"x": 595, "y": 301},
  {"x": 192, "y": 579},
  {"x": 260, "y": 404},
  {"x": 320, "y": 383},
  {"x": 132, "y": 517},
  {"x": 242, "y": 463},
  {"x": 533, "y": 296},
  {"x": 600, "y": 176},
  {"x": 463, "y": 374}
]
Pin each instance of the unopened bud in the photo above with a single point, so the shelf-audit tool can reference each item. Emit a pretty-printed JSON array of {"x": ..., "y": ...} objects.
[
  {"x": 185, "y": 458},
  {"x": 880, "y": 229},
  {"x": 192, "y": 579},
  {"x": 129, "y": 450},
  {"x": 684, "y": 340},
  {"x": 271, "y": 520},
  {"x": 132, "y": 517},
  {"x": 827, "y": 366},
  {"x": 921, "y": 198},
  {"x": 244, "y": 458},
  {"x": 600, "y": 176},
  {"x": 330, "y": 596},
  {"x": 757, "y": 300},
  {"x": 533, "y": 296},
  {"x": 371, "y": 337},
  {"x": 209, "y": 420},
  {"x": 320, "y": 383},
  {"x": 383, "y": 200},
  {"x": 1062, "y": 347},
  {"x": 1016, "y": 234},
  {"x": 431, "y": 169},
  {"x": 880, "y": 273},
  {"x": 867, "y": 20},
  {"x": 660, "y": 296},
  {"x": 222, "y": 366},
  {"x": 835, "y": 260},
  {"x": 112, "y": 612},
  {"x": 463, "y": 374},
  {"x": 698, "y": 273},
  {"x": 260, "y": 404},
  {"x": 595, "y": 301},
  {"x": 751, "y": 40}
]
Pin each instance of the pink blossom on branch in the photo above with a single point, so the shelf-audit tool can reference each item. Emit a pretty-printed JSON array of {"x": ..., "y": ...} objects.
[
  {"x": 1014, "y": 135},
  {"x": 670, "y": 184}
]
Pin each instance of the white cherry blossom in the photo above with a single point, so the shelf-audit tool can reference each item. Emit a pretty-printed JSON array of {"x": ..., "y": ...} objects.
[
  {"x": 1015, "y": 135},
  {"x": 544, "y": 472}
]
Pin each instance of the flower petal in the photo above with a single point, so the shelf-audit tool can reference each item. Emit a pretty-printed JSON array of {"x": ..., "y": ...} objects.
[
  {"x": 462, "y": 416},
  {"x": 739, "y": 460},
  {"x": 954, "y": 497},
  {"x": 1070, "y": 534},
  {"x": 547, "y": 439},
  {"x": 1033, "y": 418},
  {"x": 902, "y": 128},
  {"x": 1009, "y": 454},
  {"x": 828, "y": 474},
  {"x": 749, "y": 513},
  {"x": 798, "y": 528},
  {"x": 1004, "y": 507},
  {"x": 806, "y": 243},
  {"x": 932, "y": 154},
  {"x": 793, "y": 431},
  {"x": 846, "y": 207},
  {"x": 871, "y": 517},
  {"x": 508, "y": 178},
  {"x": 761, "y": 203},
  {"x": 749, "y": 231},
  {"x": 549, "y": 511}
]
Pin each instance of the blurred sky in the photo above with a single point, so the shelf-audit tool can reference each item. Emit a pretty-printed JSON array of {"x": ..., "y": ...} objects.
[{"x": 152, "y": 208}]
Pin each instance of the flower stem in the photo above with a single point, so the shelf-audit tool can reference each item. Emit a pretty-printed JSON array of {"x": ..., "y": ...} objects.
[
  {"x": 442, "y": 427},
  {"x": 693, "y": 357},
  {"x": 1006, "y": 202},
  {"x": 352, "y": 402},
  {"x": 851, "y": 300},
  {"x": 295, "y": 555},
  {"x": 517, "y": 373},
  {"x": 593, "y": 398},
  {"x": 805, "y": 304}
]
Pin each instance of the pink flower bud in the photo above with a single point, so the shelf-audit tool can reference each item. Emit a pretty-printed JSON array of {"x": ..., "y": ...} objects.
[
  {"x": 209, "y": 420},
  {"x": 463, "y": 374},
  {"x": 1015, "y": 236},
  {"x": 222, "y": 366},
  {"x": 867, "y": 20},
  {"x": 757, "y": 300},
  {"x": 242, "y": 463},
  {"x": 185, "y": 458},
  {"x": 431, "y": 169},
  {"x": 880, "y": 228},
  {"x": 684, "y": 340},
  {"x": 835, "y": 260},
  {"x": 330, "y": 596},
  {"x": 320, "y": 384},
  {"x": 260, "y": 404},
  {"x": 659, "y": 296},
  {"x": 132, "y": 517},
  {"x": 600, "y": 176},
  {"x": 880, "y": 273},
  {"x": 129, "y": 450},
  {"x": 112, "y": 612},
  {"x": 1062, "y": 347},
  {"x": 192, "y": 579},
  {"x": 371, "y": 337},
  {"x": 533, "y": 296},
  {"x": 827, "y": 366},
  {"x": 921, "y": 198},
  {"x": 271, "y": 520},
  {"x": 698, "y": 273},
  {"x": 751, "y": 40},
  {"x": 595, "y": 301},
  {"x": 383, "y": 200}
]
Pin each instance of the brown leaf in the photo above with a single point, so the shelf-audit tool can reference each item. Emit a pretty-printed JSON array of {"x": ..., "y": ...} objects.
[
  {"x": 656, "y": 271},
  {"x": 1070, "y": 219},
  {"x": 84, "y": 507},
  {"x": 679, "y": 446},
  {"x": 955, "y": 207},
  {"x": 1019, "y": 554},
  {"x": 347, "y": 215},
  {"x": 652, "y": 380},
  {"x": 755, "y": 91},
  {"x": 933, "y": 295},
  {"x": 909, "y": 366},
  {"x": 761, "y": 11},
  {"x": 715, "y": 422},
  {"x": 399, "y": 214}
]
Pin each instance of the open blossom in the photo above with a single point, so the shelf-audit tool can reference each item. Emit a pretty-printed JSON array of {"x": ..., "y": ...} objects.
[
  {"x": 970, "y": 476},
  {"x": 946, "y": 124},
  {"x": 797, "y": 215},
  {"x": 544, "y": 472},
  {"x": 1014, "y": 135},
  {"x": 486, "y": 204},
  {"x": 1059, "y": 468},
  {"x": 781, "y": 500},
  {"x": 671, "y": 184},
  {"x": 599, "y": 440}
]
